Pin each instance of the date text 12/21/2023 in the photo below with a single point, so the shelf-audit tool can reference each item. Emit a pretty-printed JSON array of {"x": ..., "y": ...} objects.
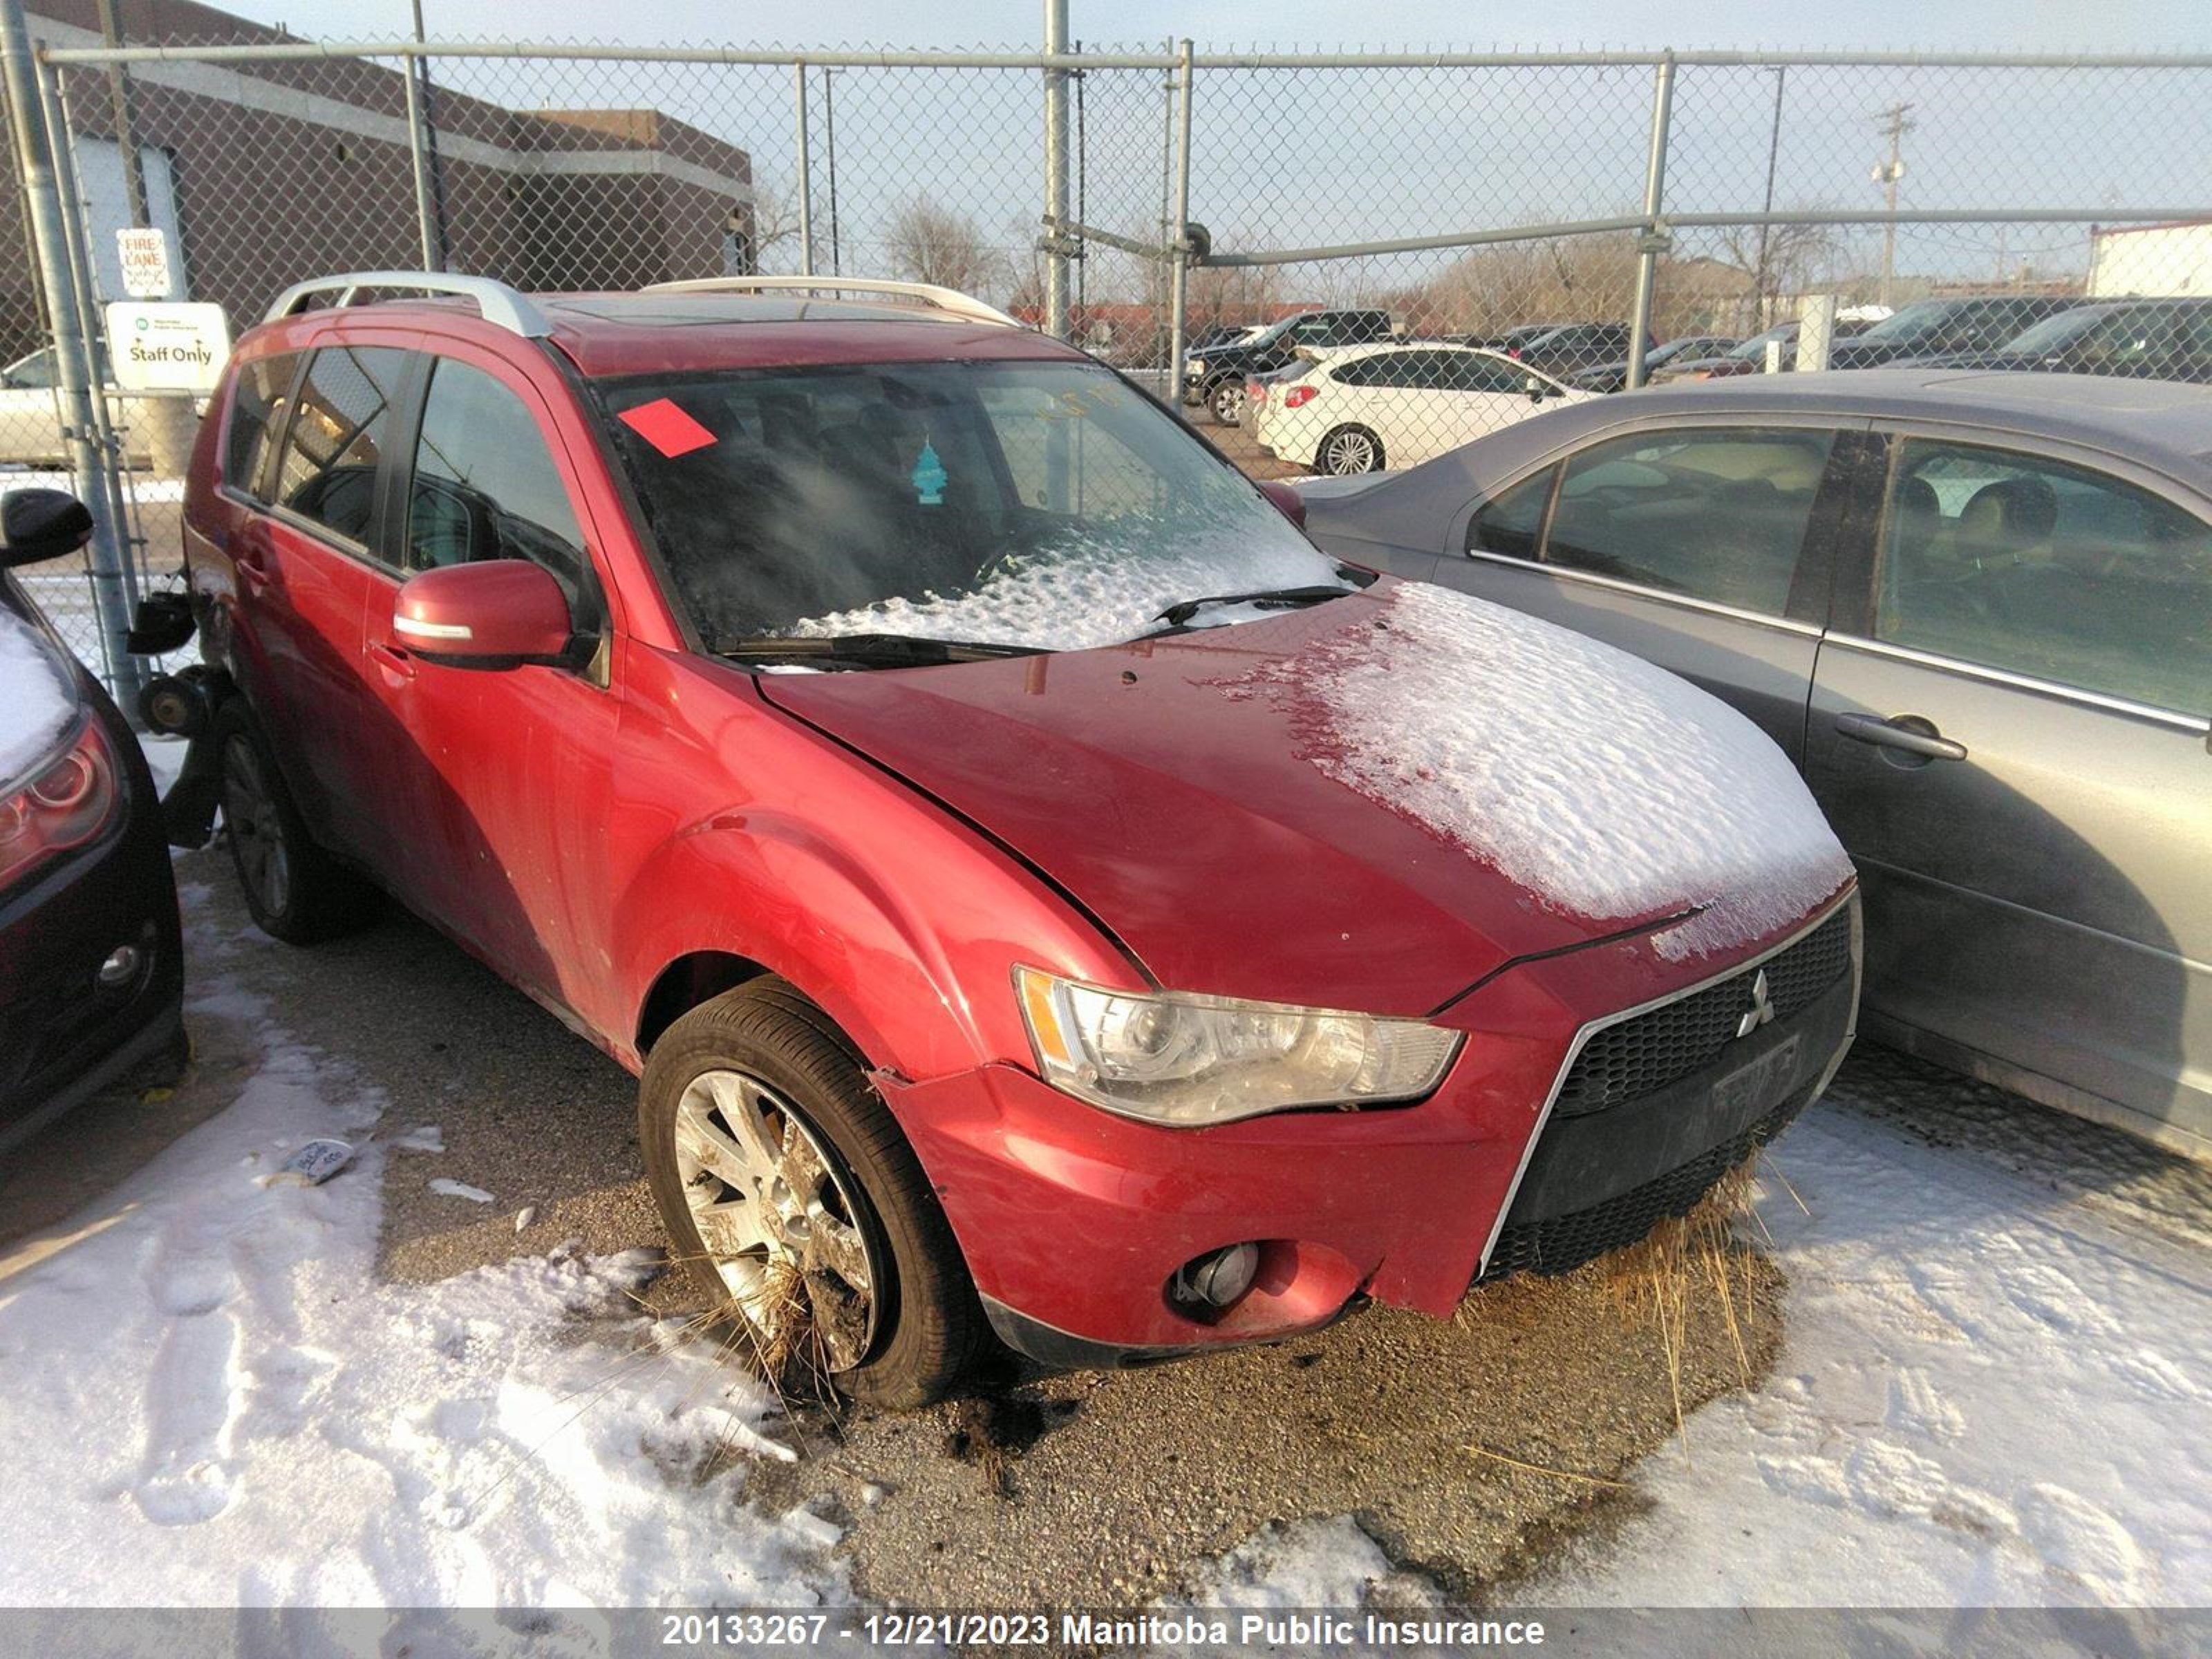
[{"x": 1123, "y": 1631}]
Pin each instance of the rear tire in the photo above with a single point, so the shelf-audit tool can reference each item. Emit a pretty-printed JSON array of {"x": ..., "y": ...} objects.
[
  {"x": 764, "y": 1054},
  {"x": 1226, "y": 403},
  {"x": 297, "y": 892},
  {"x": 1348, "y": 452}
]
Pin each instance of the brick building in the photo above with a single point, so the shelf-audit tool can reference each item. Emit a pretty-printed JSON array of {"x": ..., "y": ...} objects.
[{"x": 270, "y": 171}]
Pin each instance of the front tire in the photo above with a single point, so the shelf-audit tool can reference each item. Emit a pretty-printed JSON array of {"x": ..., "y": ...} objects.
[
  {"x": 1348, "y": 452},
  {"x": 1226, "y": 403},
  {"x": 791, "y": 1198},
  {"x": 296, "y": 891}
]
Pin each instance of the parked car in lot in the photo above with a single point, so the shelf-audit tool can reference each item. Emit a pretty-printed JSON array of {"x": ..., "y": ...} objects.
[
  {"x": 1690, "y": 348},
  {"x": 1372, "y": 407},
  {"x": 956, "y": 790},
  {"x": 1747, "y": 358},
  {"x": 2145, "y": 339},
  {"x": 91, "y": 966},
  {"x": 1968, "y": 323},
  {"x": 1215, "y": 377},
  {"x": 1505, "y": 341},
  {"x": 1573, "y": 346},
  {"x": 1976, "y": 609}
]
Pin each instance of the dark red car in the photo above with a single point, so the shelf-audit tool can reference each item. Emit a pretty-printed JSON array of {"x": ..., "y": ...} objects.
[{"x": 1024, "y": 870}]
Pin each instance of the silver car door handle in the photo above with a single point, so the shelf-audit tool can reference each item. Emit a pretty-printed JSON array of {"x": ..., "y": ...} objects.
[{"x": 1872, "y": 728}]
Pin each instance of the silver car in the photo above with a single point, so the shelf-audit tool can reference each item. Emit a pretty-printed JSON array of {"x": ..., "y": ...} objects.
[{"x": 1976, "y": 610}]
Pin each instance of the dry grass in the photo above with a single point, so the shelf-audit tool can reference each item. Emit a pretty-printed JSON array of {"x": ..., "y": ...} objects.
[{"x": 1687, "y": 1268}]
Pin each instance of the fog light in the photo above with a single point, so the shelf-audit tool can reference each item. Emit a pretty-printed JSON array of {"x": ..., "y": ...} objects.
[
  {"x": 120, "y": 968},
  {"x": 1216, "y": 1279}
]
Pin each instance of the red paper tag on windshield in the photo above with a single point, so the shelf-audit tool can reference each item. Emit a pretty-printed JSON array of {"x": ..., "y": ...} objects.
[{"x": 666, "y": 428}]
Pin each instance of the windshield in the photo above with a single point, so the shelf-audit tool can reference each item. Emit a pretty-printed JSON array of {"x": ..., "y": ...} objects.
[
  {"x": 1756, "y": 346},
  {"x": 1274, "y": 331},
  {"x": 1910, "y": 323},
  {"x": 1041, "y": 504},
  {"x": 2067, "y": 326}
]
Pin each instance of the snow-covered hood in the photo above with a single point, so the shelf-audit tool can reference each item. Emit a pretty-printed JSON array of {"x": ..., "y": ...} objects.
[{"x": 1372, "y": 803}]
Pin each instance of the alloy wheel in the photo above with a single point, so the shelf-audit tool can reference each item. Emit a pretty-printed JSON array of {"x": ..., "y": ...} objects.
[
  {"x": 775, "y": 1214},
  {"x": 256, "y": 829},
  {"x": 1347, "y": 452},
  {"x": 1229, "y": 405}
]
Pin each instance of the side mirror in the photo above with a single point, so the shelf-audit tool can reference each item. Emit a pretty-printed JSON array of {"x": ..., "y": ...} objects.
[
  {"x": 500, "y": 613},
  {"x": 1287, "y": 501},
  {"x": 41, "y": 524},
  {"x": 1536, "y": 390}
]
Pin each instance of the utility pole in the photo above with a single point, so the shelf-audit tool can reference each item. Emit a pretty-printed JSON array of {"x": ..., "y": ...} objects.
[
  {"x": 1773, "y": 155},
  {"x": 1887, "y": 173}
]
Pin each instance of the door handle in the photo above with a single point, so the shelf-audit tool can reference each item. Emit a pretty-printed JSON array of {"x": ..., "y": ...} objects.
[
  {"x": 252, "y": 559},
  {"x": 1909, "y": 733},
  {"x": 397, "y": 667}
]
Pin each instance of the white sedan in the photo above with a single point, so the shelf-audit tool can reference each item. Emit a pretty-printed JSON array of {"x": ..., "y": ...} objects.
[{"x": 1366, "y": 408}]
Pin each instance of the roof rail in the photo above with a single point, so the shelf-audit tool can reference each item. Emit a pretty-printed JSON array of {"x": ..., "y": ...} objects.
[
  {"x": 500, "y": 305},
  {"x": 948, "y": 300}
]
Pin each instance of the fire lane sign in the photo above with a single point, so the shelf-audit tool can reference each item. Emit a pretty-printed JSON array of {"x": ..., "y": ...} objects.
[
  {"x": 144, "y": 253},
  {"x": 177, "y": 345}
]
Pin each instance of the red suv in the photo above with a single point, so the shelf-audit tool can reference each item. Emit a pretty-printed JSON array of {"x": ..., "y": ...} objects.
[{"x": 1043, "y": 895}]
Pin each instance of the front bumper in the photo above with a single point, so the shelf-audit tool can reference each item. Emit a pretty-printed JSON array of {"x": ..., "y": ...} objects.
[{"x": 1075, "y": 1221}]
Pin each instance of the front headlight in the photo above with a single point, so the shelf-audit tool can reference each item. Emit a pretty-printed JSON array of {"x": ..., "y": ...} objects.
[
  {"x": 1194, "y": 366},
  {"x": 1191, "y": 1059}
]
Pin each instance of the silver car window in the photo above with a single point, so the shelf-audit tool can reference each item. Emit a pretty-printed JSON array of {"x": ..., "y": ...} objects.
[{"x": 2027, "y": 563}]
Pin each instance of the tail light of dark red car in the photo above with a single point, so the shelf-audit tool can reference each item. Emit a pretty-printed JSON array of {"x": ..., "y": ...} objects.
[
  {"x": 1299, "y": 396},
  {"x": 65, "y": 805}
]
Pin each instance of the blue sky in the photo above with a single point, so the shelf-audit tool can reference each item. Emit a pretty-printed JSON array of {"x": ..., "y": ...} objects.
[{"x": 1979, "y": 25}]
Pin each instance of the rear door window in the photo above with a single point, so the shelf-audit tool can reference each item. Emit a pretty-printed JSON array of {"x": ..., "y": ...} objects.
[
  {"x": 257, "y": 413},
  {"x": 1718, "y": 514},
  {"x": 2026, "y": 562},
  {"x": 336, "y": 441}
]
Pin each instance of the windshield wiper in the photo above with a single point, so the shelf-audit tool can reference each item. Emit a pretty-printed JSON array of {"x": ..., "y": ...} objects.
[
  {"x": 870, "y": 650},
  {"x": 1183, "y": 610}
]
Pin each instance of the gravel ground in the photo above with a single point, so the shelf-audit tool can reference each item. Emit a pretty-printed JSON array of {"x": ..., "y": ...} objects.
[{"x": 1094, "y": 1488}]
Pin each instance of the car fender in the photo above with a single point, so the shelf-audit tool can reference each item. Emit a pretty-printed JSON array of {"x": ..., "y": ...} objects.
[{"x": 913, "y": 960}]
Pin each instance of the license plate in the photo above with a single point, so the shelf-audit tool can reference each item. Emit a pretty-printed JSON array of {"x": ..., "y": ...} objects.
[{"x": 1760, "y": 1085}]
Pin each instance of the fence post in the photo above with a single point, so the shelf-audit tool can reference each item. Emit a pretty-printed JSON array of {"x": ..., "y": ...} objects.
[
  {"x": 1179, "y": 271},
  {"x": 1055, "y": 173},
  {"x": 68, "y": 185},
  {"x": 806, "y": 171},
  {"x": 72, "y": 355},
  {"x": 426, "y": 223},
  {"x": 1653, "y": 240}
]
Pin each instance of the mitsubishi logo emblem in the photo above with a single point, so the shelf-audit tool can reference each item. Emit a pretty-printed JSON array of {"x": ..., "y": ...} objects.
[{"x": 1762, "y": 1009}]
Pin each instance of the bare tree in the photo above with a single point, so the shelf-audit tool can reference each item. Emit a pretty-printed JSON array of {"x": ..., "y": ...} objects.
[
  {"x": 928, "y": 243},
  {"x": 774, "y": 217},
  {"x": 1777, "y": 259}
]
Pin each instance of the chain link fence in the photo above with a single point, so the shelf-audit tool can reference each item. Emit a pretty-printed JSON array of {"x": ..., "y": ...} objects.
[{"x": 1378, "y": 257}]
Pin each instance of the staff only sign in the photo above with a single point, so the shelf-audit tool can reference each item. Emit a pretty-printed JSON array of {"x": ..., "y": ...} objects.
[{"x": 178, "y": 345}]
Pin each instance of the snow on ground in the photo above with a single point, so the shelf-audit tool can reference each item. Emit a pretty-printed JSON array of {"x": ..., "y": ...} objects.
[
  {"x": 35, "y": 702},
  {"x": 1604, "y": 784},
  {"x": 209, "y": 1399},
  {"x": 1993, "y": 1394}
]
